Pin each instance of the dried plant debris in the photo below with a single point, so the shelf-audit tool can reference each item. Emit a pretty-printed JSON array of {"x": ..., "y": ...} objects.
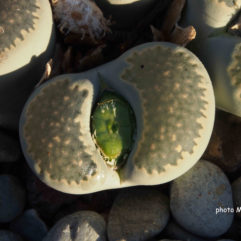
[
  {"x": 170, "y": 30},
  {"x": 81, "y": 17},
  {"x": 93, "y": 58},
  {"x": 235, "y": 26},
  {"x": 224, "y": 146},
  {"x": 183, "y": 36},
  {"x": 89, "y": 40},
  {"x": 46, "y": 74}
]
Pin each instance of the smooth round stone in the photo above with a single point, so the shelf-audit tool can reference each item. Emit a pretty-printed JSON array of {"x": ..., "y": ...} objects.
[
  {"x": 236, "y": 187},
  {"x": 99, "y": 202},
  {"x": 234, "y": 231},
  {"x": 6, "y": 235},
  {"x": 225, "y": 240},
  {"x": 9, "y": 148},
  {"x": 137, "y": 214},
  {"x": 42, "y": 198},
  {"x": 36, "y": 229},
  {"x": 81, "y": 226},
  {"x": 201, "y": 200},
  {"x": 12, "y": 198},
  {"x": 174, "y": 231},
  {"x": 169, "y": 240}
]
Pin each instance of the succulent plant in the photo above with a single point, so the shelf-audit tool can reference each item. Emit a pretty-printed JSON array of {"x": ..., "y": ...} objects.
[
  {"x": 222, "y": 57},
  {"x": 217, "y": 22},
  {"x": 209, "y": 16},
  {"x": 172, "y": 98},
  {"x": 26, "y": 44},
  {"x": 125, "y": 13},
  {"x": 22, "y": 19}
]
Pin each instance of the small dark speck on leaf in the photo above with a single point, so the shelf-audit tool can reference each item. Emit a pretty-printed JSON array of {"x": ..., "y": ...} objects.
[{"x": 85, "y": 93}]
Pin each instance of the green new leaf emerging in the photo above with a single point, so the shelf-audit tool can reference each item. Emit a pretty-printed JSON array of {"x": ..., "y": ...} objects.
[{"x": 113, "y": 125}]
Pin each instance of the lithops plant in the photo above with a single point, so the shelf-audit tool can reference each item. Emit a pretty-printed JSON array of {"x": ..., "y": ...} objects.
[
  {"x": 222, "y": 57},
  {"x": 209, "y": 16},
  {"x": 172, "y": 98},
  {"x": 125, "y": 13},
  {"x": 217, "y": 22},
  {"x": 26, "y": 44}
]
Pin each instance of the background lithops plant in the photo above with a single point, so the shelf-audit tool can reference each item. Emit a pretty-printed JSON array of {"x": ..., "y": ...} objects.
[
  {"x": 26, "y": 44},
  {"x": 22, "y": 19},
  {"x": 209, "y": 16},
  {"x": 216, "y": 23},
  {"x": 171, "y": 95},
  {"x": 125, "y": 13},
  {"x": 222, "y": 57}
]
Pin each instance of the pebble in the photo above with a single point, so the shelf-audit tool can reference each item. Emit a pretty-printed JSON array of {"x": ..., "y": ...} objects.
[
  {"x": 170, "y": 240},
  {"x": 6, "y": 235},
  {"x": 42, "y": 198},
  {"x": 12, "y": 198},
  {"x": 137, "y": 214},
  {"x": 173, "y": 230},
  {"x": 99, "y": 202},
  {"x": 9, "y": 148},
  {"x": 225, "y": 240},
  {"x": 236, "y": 187},
  {"x": 197, "y": 195},
  {"x": 234, "y": 231},
  {"x": 36, "y": 229},
  {"x": 81, "y": 226}
]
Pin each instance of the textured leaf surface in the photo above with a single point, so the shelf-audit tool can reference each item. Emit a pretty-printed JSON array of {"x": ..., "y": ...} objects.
[
  {"x": 234, "y": 71},
  {"x": 173, "y": 101},
  {"x": 53, "y": 133},
  {"x": 16, "y": 16}
]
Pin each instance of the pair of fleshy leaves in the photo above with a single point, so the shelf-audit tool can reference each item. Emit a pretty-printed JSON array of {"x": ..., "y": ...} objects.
[
  {"x": 218, "y": 44},
  {"x": 171, "y": 95}
]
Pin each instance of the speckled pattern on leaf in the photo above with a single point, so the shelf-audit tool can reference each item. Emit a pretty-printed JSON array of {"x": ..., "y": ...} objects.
[
  {"x": 234, "y": 70},
  {"x": 15, "y": 16},
  {"x": 170, "y": 77},
  {"x": 52, "y": 132}
]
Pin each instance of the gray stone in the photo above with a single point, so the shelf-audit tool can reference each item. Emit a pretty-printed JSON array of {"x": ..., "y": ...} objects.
[
  {"x": 137, "y": 214},
  {"x": 36, "y": 229},
  {"x": 42, "y": 198},
  {"x": 174, "y": 231},
  {"x": 234, "y": 231},
  {"x": 6, "y": 235},
  {"x": 169, "y": 240},
  {"x": 197, "y": 195},
  {"x": 81, "y": 226},
  {"x": 9, "y": 148},
  {"x": 236, "y": 187},
  {"x": 12, "y": 198},
  {"x": 225, "y": 240}
]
